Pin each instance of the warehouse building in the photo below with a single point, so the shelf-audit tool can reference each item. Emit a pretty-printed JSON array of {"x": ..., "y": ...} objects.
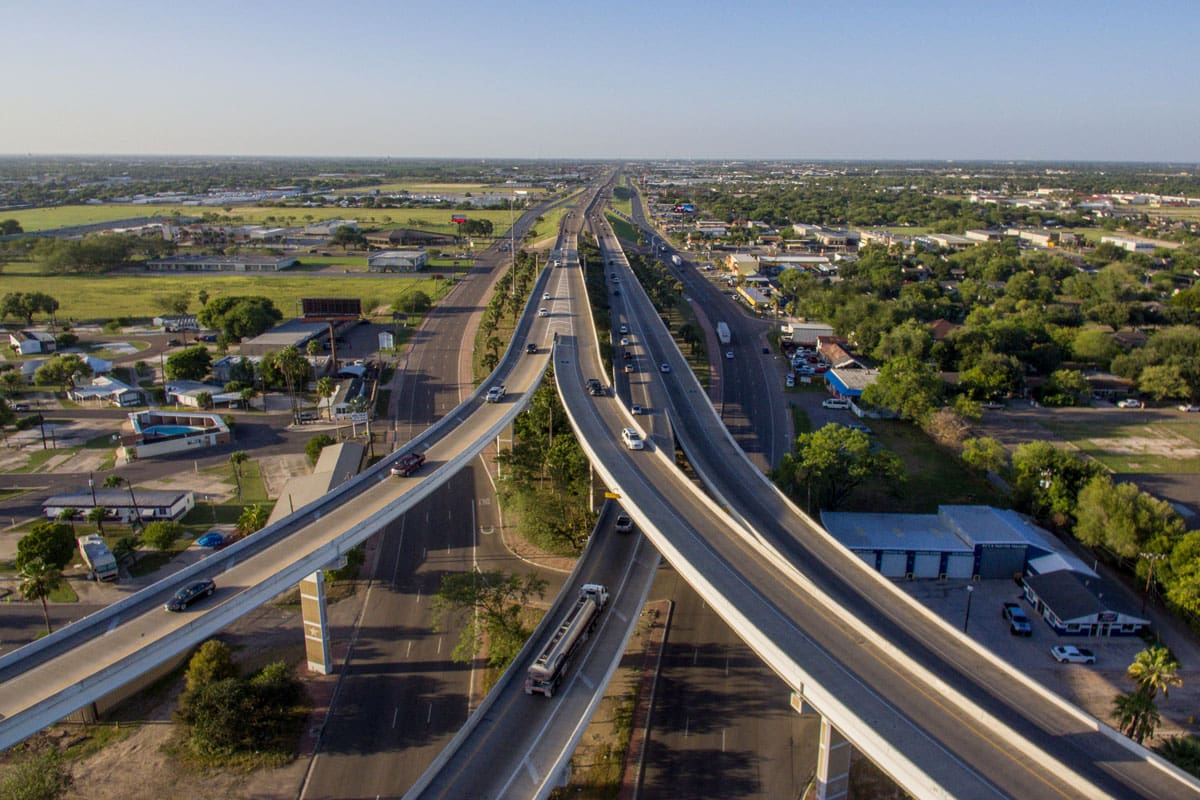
[{"x": 956, "y": 542}]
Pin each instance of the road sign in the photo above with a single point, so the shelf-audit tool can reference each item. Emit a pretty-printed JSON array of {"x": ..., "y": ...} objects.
[
  {"x": 612, "y": 496},
  {"x": 358, "y": 416}
]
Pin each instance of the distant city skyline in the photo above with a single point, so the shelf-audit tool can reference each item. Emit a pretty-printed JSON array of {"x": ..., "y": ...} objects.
[{"x": 764, "y": 79}]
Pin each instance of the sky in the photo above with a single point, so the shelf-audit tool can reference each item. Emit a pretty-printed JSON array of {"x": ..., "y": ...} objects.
[{"x": 749, "y": 79}]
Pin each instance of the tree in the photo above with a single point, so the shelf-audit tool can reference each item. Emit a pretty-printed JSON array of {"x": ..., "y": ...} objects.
[
  {"x": 11, "y": 382},
  {"x": 326, "y": 389},
  {"x": 832, "y": 461},
  {"x": 174, "y": 303},
  {"x": 908, "y": 387},
  {"x": 909, "y": 339},
  {"x": 10, "y": 226},
  {"x": 126, "y": 549},
  {"x": 490, "y": 606},
  {"x": 161, "y": 534},
  {"x": 1046, "y": 481},
  {"x": 239, "y": 318},
  {"x": 236, "y": 459},
  {"x": 1095, "y": 346},
  {"x": 253, "y": 518},
  {"x": 314, "y": 446},
  {"x": 992, "y": 375},
  {"x": 1064, "y": 388},
  {"x": 1153, "y": 670},
  {"x": 189, "y": 364},
  {"x": 212, "y": 662},
  {"x": 1124, "y": 519},
  {"x": 24, "y": 305},
  {"x": 414, "y": 301},
  {"x": 51, "y": 543},
  {"x": 68, "y": 515},
  {"x": 96, "y": 516},
  {"x": 1137, "y": 716},
  {"x": 1164, "y": 381},
  {"x": 313, "y": 348},
  {"x": 984, "y": 454},
  {"x": 38, "y": 581},
  {"x": 61, "y": 371},
  {"x": 288, "y": 368}
]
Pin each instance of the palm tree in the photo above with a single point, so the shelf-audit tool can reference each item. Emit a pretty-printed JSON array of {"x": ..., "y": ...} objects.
[
  {"x": 326, "y": 389},
  {"x": 1137, "y": 716},
  {"x": 68, "y": 515},
  {"x": 1154, "y": 670},
  {"x": 236, "y": 459},
  {"x": 38, "y": 580},
  {"x": 127, "y": 547},
  {"x": 96, "y": 517}
]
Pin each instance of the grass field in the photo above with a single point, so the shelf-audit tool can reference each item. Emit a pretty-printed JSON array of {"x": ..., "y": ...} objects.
[
  {"x": 624, "y": 231},
  {"x": 436, "y": 188},
  {"x": 137, "y": 296},
  {"x": 548, "y": 227},
  {"x": 430, "y": 219},
  {"x": 1125, "y": 444}
]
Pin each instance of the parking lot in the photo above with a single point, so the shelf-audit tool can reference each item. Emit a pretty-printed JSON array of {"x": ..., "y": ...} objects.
[{"x": 1091, "y": 687}]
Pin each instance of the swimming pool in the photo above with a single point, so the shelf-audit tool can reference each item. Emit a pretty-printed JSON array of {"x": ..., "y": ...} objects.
[{"x": 170, "y": 430}]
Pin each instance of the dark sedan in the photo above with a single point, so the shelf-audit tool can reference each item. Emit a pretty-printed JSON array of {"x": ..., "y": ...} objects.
[{"x": 190, "y": 594}]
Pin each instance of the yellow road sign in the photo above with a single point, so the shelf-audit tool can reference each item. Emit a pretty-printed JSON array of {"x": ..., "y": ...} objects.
[{"x": 612, "y": 496}]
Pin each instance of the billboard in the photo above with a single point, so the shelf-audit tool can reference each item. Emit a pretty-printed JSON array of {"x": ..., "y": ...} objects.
[{"x": 327, "y": 307}]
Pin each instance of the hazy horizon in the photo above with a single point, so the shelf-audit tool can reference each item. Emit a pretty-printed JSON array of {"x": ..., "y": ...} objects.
[{"x": 760, "y": 81}]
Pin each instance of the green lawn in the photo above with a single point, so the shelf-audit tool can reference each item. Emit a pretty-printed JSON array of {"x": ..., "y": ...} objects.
[
  {"x": 548, "y": 226},
  {"x": 430, "y": 219},
  {"x": 1124, "y": 444},
  {"x": 935, "y": 476},
  {"x": 136, "y": 296},
  {"x": 624, "y": 231}
]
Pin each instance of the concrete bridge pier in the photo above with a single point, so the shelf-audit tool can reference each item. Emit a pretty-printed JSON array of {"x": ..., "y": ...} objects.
[
  {"x": 833, "y": 754},
  {"x": 316, "y": 627},
  {"x": 833, "y": 763}
]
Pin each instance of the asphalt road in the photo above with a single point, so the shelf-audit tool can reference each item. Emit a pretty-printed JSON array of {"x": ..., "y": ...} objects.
[
  {"x": 402, "y": 697},
  {"x": 721, "y": 723}
]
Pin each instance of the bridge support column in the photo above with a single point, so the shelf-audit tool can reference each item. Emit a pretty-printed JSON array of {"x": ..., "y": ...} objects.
[
  {"x": 316, "y": 628},
  {"x": 833, "y": 763}
]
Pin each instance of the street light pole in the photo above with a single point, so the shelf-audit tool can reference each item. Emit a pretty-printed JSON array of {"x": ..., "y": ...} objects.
[
  {"x": 967, "y": 618},
  {"x": 92, "y": 486}
]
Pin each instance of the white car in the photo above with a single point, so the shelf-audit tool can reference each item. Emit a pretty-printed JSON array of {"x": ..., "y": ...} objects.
[
  {"x": 624, "y": 329},
  {"x": 664, "y": 367},
  {"x": 632, "y": 439},
  {"x": 543, "y": 312},
  {"x": 1129, "y": 402},
  {"x": 636, "y": 409},
  {"x": 1070, "y": 654},
  {"x": 496, "y": 394},
  {"x": 1189, "y": 407},
  {"x": 624, "y": 341},
  {"x": 545, "y": 295},
  {"x": 729, "y": 354}
]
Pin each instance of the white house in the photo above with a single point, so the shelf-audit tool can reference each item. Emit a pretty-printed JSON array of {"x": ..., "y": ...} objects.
[{"x": 29, "y": 343}]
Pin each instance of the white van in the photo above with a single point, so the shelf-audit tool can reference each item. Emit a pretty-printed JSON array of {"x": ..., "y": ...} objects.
[{"x": 835, "y": 402}]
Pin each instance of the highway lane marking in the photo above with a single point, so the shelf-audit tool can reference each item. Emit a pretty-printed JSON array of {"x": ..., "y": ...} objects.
[
  {"x": 621, "y": 616},
  {"x": 395, "y": 716},
  {"x": 408, "y": 650},
  {"x": 586, "y": 682},
  {"x": 429, "y": 714},
  {"x": 533, "y": 775},
  {"x": 439, "y": 645}
]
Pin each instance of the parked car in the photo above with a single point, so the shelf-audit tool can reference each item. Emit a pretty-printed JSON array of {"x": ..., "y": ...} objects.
[
  {"x": 835, "y": 402},
  {"x": 858, "y": 426},
  {"x": 407, "y": 464},
  {"x": 994, "y": 404},
  {"x": 190, "y": 594},
  {"x": 1070, "y": 654},
  {"x": 1018, "y": 623},
  {"x": 20, "y": 407},
  {"x": 211, "y": 539},
  {"x": 1129, "y": 402},
  {"x": 790, "y": 381},
  {"x": 173, "y": 343},
  {"x": 623, "y": 524},
  {"x": 1189, "y": 407}
]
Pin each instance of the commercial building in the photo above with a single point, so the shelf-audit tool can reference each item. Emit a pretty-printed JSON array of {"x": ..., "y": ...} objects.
[
  {"x": 293, "y": 333},
  {"x": 234, "y": 263},
  {"x": 195, "y": 394},
  {"x": 156, "y": 433},
  {"x": 410, "y": 237},
  {"x": 105, "y": 388},
  {"x": 956, "y": 542},
  {"x": 1077, "y": 604},
  {"x": 123, "y": 505},
  {"x": 397, "y": 261},
  {"x": 29, "y": 343}
]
